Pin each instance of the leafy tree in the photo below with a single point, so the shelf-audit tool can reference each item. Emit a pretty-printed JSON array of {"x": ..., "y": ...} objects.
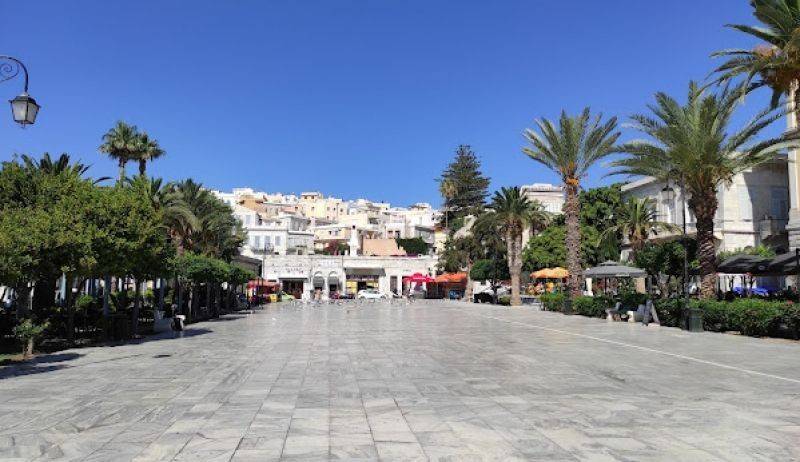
[
  {"x": 760, "y": 250},
  {"x": 601, "y": 207},
  {"x": 547, "y": 249},
  {"x": 490, "y": 270},
  {"x": 509, "y": 214},
  {"x": 692, "y": 142},
  {"x": 463, "y": 186},
  {"x": 413, "y": 246},
  {"x": 663, "y": 260},
  {"x": 570, "y": 150}
]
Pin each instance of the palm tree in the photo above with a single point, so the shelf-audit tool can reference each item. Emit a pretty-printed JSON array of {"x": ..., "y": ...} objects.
[
  {"x": 510, "y": 213},
  {"x": 776, "y": 62},
  {"x": 121, "y": 143},
  {"x": 570, "y": 150},
  {"x": 638, "y": 221},
  {"x": 148, "y": 149},
  {"x": 448, "y": 189},
  {"x": 692, "y": 142}
]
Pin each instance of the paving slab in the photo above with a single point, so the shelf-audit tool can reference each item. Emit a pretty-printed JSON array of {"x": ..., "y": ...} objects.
[{"x": 432, "y": 380}]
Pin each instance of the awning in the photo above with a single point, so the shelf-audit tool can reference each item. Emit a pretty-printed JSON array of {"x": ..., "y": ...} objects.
[
  {"x": 319, "y": 282},
  {"x": 333, "y": 280},
  {"x": 612, "y": 269},
  {"x": 262, "y": 283},
  {"x": 451, "y": 278},
  {"x": 551, "y": 273},
  {"x": 365, "y": 271}
]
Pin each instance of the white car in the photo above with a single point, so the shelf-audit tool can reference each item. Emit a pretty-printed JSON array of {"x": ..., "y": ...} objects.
[{"x": 370, "y": 294}]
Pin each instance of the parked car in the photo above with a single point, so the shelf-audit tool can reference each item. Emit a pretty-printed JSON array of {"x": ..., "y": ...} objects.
[
  {"x": 370, "y": 294},
  {"x": 487, "y": 295}
]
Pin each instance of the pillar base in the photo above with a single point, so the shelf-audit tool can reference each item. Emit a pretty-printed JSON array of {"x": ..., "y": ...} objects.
[{"x": 793, "y": 229}]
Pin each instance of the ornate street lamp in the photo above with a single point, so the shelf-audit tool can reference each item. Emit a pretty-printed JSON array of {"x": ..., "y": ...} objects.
[
  {"x": 23, "y": 108},
  {"x": 693, "y": 317}
]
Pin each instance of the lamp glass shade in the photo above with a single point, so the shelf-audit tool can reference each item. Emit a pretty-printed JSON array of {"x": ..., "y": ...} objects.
[
  {"x": 24, "y": 109},
  {"x": 668, "y": 193}
]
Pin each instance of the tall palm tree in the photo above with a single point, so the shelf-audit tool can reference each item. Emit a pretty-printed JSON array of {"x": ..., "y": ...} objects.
[
  {"x": 775, "y": 63},
  {"x": 448, "y": 189},
  {"x": 693, "y": 142},
  {"x": 148, "y": 150},
  {"x": 121, "y": 143},
  {"x": 570, "y": 150},
  {"x": 638, "y": 221},
  {"x": 510, "y": 213}
]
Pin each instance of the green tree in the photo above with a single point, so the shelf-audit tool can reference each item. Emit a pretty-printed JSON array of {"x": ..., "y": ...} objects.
[
  {"x": 122, "y": 144},
  {"x": 510, "y": 214},
  {"x": 570, "y": 150},
  {"x": 463, "y": 186},
  {"x": 413, "y": 246},
  {"x": 692, "y": 142}
]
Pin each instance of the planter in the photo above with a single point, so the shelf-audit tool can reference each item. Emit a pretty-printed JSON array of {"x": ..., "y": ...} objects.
[{"x": 160, "y": 323}]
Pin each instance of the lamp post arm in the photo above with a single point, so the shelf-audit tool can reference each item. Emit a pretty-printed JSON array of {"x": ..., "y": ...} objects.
[{"x": 8, "y": 70}]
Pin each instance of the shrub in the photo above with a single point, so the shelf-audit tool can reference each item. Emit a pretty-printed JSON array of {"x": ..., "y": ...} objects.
[
  {"x": 670, "y": 311},
  {"x": 504, "y": 300},
  {"x": 27, "y": 332},
  {"x": 594, "y": 307},
  {"x": 84, "y": 302},
  {"x": 552, "y": 302}
]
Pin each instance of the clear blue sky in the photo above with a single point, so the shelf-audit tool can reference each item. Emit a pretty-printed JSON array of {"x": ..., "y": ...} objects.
[{"x": 353, "y": 98}]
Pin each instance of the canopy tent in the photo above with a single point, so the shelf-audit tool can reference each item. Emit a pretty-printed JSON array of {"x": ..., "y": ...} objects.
[
  {"x": 551, "y": 273},
  {"x": 262, "y": 283},
  {"x": 452, "y": 278},
  {"x": 742, "y": 264},
  {"x": 418, "y": 277},
  {"x": 612, "y": 269}
]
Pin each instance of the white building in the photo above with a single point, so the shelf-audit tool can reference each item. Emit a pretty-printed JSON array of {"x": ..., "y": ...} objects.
[
  {"x": 303, "y": 275},
  {"x": 550, "y": 196},
  {"x": 753, "y": 209}
]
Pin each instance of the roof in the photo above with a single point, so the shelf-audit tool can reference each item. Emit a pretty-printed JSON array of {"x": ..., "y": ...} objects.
[{"x": 381, "y": 248}]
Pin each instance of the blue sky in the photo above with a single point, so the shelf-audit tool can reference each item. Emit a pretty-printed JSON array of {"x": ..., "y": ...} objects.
[{"x": 353, "y": 98}]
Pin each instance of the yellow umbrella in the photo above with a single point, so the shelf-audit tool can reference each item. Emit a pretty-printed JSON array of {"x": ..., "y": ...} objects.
[{"x": 551, "y": 273}]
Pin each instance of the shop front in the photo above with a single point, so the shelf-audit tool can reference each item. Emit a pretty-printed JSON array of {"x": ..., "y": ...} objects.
[
  {"x": 362, "y": 278},
  {"x": 293, "y": 286}
]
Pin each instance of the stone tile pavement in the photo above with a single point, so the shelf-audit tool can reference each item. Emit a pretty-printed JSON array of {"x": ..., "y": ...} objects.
[{"x": 428, "y": 381}]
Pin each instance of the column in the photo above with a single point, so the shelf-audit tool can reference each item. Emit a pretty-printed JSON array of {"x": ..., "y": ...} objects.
[{"x": 793, "y": 227}]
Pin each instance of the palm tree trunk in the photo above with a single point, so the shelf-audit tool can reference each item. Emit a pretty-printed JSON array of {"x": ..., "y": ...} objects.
[
  {"x": 704, "y": 209},
  {"x": 572, "y": 210},
  {"x": 513, "y": 245},
  {"x": 122, "y": 163},
  {"x": 142, "y": 166}
]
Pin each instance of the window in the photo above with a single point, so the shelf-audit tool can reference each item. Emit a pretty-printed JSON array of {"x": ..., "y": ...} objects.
[
  {"x": 247, "y": 220},
  {"x": 267, "y": 242},
  {"x": 277, "y": 241},
  {"x": 258, "y": 242}
]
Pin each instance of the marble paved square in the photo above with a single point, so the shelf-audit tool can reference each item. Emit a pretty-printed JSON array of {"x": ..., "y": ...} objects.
[{"x": 429, "y": 381}]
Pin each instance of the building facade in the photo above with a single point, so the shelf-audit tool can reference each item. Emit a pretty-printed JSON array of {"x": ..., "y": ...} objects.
[
  {"x": 753, "y": 209},
  {"x": 305, "y": 275}
]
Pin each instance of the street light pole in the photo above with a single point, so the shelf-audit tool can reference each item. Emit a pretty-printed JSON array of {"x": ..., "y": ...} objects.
[
  {"x": 694, "y": 318},
  {"x": 23, "y": 108}
]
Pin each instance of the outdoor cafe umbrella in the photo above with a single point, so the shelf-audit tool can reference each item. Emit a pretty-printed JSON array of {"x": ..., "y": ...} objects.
[
  {"x": 612, "y": 269},
  {"x": 785, "y": 263},
  {"x": 551, "y": 273},
  {"x": 743, "y": 264}
]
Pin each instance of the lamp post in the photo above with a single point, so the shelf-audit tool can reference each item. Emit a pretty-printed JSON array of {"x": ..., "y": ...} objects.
[
  {"x": 693, "y": 317},
  {"x": 23, "y": 107}
]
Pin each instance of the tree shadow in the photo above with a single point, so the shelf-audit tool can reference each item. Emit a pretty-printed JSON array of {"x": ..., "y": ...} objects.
[{"x": 37, "y": 364}]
